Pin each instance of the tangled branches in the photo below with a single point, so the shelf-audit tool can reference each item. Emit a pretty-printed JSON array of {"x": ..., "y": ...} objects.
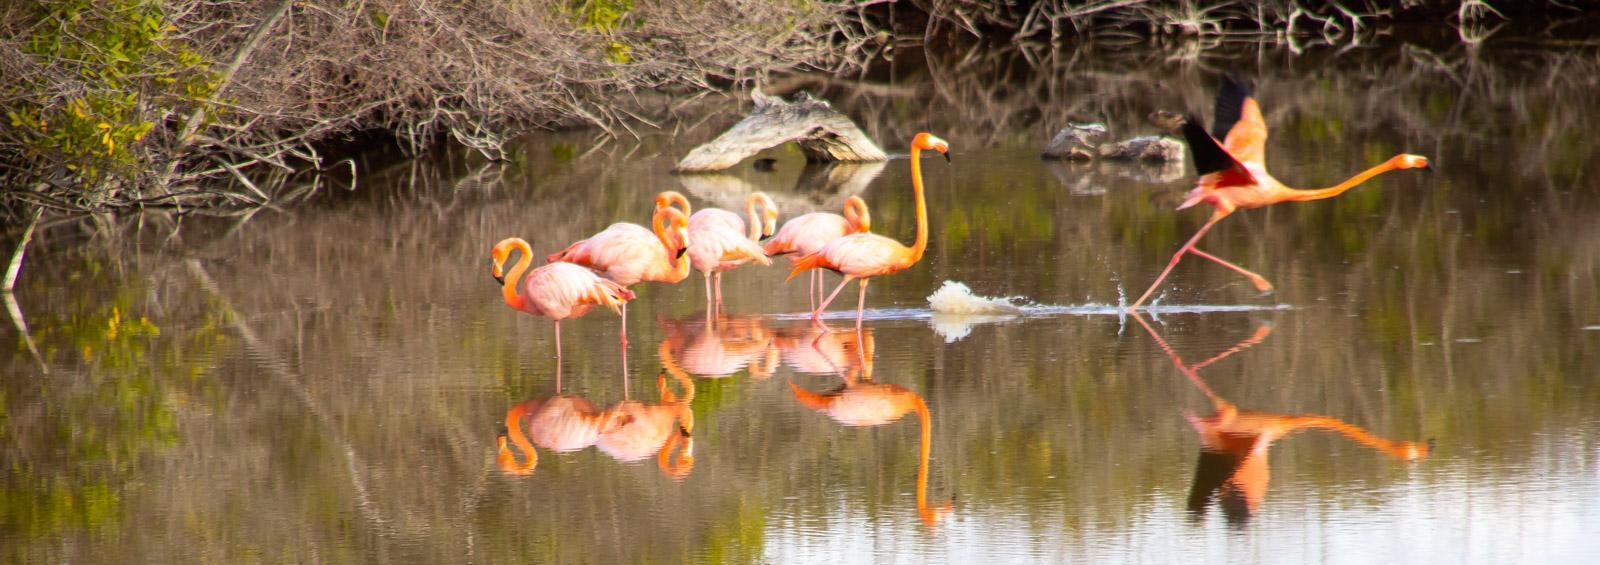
[{"x": 136, "y": 103}]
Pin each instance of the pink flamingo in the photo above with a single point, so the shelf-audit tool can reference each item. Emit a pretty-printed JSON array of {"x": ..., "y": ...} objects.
[
  {"x": 865, "y": 255},
  {"x": 809, "y": 233},
  {"x": 720, "y": 240},
  {"x": 556, "y": 291},
  {"x": 1233, "y": 174},
  {"x": 629, "y": 254}
]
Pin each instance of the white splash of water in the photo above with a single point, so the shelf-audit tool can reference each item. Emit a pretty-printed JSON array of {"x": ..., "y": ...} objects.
[{"x": 957, "y": 299}]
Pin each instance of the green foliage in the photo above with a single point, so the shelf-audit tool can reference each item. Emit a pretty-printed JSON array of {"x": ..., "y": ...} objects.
[
  {"x": 126, "y": 66},
  {"x": 606, "y": 16}
]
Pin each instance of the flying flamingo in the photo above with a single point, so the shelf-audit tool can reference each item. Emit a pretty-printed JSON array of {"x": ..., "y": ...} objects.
[
  {"x": 1235, "y": 443},
  {"x": 556, "y": 291},
  {"x": 863, "y": 403},
  {"x": 629, "y": 254},
  {"x": 719, "y": 241},
  {"x": 1234, "y": 173},
  {"x": 809, "y": 233},
  {"x": 865, "y": 255}
]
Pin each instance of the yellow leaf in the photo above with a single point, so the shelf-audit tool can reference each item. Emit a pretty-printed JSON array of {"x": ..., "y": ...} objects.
[{"x": 104, "y": 125}]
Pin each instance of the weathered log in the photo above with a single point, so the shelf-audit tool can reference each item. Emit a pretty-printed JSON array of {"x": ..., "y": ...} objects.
[
  {"x": 824, "y": 135},
  {"x": 821, "y": 187}
]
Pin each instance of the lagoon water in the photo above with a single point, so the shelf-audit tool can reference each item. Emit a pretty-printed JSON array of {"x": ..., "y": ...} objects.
[{"x": 329, "y": 382}]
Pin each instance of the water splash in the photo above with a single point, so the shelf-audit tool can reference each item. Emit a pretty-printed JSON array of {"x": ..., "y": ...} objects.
[{"x": 957, "y": 299}]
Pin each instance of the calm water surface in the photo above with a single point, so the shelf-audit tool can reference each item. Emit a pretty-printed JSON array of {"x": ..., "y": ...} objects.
[{"x": 329, "y": 383}]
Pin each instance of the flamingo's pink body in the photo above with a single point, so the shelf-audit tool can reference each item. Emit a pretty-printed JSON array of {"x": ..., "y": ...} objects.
[
  {"x": 809, "y": 233},
  {"x": 557, "y": 291},
  {"x": 629, "y": 254}
]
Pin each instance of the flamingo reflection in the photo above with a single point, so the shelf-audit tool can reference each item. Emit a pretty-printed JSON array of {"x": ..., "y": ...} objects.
[
  {"x": 860, "y": 402},
  {"x": 815, "y": 351},
  {"x": 1233, "y": 468},
  {"x": 706, "y": 346},
  {"x": 628, "y": 431}
]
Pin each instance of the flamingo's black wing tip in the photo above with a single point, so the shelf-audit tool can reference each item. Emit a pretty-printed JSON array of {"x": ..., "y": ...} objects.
[
  {"x": 1209, "y": 156},
  {"x": 1231, "y": 94}
]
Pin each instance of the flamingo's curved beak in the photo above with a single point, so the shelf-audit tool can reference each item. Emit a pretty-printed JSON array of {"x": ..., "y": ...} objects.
[
  {"x": 946, "y": 154},
  {"x": 681, "y": 251},
  {"x": 495, "y": 272}
]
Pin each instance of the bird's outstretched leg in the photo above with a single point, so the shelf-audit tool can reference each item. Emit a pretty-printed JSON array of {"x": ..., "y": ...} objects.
[
  {"x": 1258, "y": 280},
  {"x": 709, "y": 294},
  {"x": 816, "y": 316},
  {"x": 1175, "y": 257},
  {"x": 558, "y": 342}
]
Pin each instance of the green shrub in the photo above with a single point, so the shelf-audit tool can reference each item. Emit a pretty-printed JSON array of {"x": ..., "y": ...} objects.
[{"x": 115, "y": 71}]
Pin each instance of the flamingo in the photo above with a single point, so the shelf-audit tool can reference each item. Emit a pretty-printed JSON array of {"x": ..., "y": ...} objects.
[
  {"x": 863, "y": 403},
  {"x": 556, "y": 291},
  {"x": 809, "y": 233},
  {"x": 865, "y": 255},
  {"x": 629, "y": 254},
  {"x": 1234, "y": 173},
  {"x": 1234, "y": 443},
  {"x": 719, "y": 241}
]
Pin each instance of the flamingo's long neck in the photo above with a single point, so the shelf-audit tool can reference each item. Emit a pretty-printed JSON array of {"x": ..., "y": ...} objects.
[
  {"x": 1356, "y": 434},
  {"x": 922, "y": 206},
  {"x": 508, "y": 463},
  {"x": 755, "y": 219},
  {"x": 514, "y": 278},
  {"x": 1352, "y": 182},
  {"x": 855, "y": 212}
]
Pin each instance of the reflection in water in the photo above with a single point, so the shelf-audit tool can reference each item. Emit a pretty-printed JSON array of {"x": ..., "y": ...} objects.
[
  {"x": 628, "y": 431},
  {"x": 1092, "y": 178},
  {"x": 860, "y": 402},
  {"x": 706, "y": 346},
  {"x": 1234, "y": 443}
]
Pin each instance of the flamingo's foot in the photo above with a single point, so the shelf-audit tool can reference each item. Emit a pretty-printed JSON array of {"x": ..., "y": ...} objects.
[{"x": 1262, "y": 285}]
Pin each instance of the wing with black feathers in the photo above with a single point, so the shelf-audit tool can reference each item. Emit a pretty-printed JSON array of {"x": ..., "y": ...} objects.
[{"x": 1231, "y": 95}]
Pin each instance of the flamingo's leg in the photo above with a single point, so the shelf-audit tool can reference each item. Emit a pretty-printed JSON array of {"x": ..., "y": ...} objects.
[
  {"x": 811, "y": 290},
  {"x": 817, "y": 315},
  {"x": 708, "y": 291},
  {"x": 1258, "y": 280},
  {"x": 558, "y": 342},
  {"x": 718, "y": 286},
  {"x": 624, "y": 326},
  {"x": 1174, "y": 262},
  {"x": 861, "y": 304}
]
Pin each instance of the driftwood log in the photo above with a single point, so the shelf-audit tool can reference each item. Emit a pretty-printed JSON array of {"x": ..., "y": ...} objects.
[
  {"x": 824, "y": 135},
  {"x": 820, "y": 187}
]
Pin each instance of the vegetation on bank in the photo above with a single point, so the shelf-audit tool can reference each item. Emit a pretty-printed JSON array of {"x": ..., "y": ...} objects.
[{"x": 116, "y": 104}]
